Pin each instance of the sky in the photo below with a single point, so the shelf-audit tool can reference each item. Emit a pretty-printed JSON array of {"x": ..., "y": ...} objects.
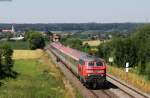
[{"x": 74, "y": 11}]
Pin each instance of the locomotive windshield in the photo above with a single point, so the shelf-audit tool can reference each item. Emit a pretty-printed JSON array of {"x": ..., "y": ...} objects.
[
  {"x": 91, "y": 64},
  {"x": 99, "y": 63}
]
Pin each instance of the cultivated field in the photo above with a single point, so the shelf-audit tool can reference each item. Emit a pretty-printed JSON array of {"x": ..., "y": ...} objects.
[
  {"x": 93, "y": 42},
  {"x": 27, "y": 54}
]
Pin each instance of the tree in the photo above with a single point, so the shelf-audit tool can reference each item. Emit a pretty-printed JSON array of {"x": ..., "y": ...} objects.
[
  {"x": 142, "y": 40},
  {"x": 105, "y": 50},
  {"x": 7, "y": 53},
  {"x": 0, "y": 59},
  {"x": 6, "y": 61},
  {"x": 125, "y": 51},
  {"x": 49, "y": 33},
  {"x": 36, "y": 40},
  {"x": 9, "y": 35},
  {"x": 86, "y": 48}
]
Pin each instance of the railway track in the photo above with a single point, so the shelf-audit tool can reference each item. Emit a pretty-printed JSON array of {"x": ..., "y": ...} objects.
[
  {"x": 100, "y": 93},
  {"x": 131, "y": 91}
]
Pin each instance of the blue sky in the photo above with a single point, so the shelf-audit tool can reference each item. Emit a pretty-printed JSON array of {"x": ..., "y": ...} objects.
[{"x": 67, "y": 11}]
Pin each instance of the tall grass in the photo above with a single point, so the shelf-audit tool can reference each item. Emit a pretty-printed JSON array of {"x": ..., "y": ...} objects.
[{"x": 131, "y": 78}]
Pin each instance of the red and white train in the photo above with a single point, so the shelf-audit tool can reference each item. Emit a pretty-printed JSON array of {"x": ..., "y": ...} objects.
[{"x": 90, "y": 70}]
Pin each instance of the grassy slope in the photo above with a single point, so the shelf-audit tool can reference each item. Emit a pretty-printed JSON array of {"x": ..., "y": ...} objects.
[{"x": 37, "y": 78}]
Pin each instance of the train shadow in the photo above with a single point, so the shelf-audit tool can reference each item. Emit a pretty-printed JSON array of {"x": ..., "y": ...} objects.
[{"x": 105, "y": 86}]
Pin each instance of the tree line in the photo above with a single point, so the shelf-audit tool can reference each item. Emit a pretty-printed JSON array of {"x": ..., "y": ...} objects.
[{"x": 103, "y": 27}]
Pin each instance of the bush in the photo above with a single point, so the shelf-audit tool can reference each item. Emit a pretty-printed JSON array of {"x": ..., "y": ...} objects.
[
  {"x": 36, "y": 41},
  {"x": 6, "y": 61},
  {"x": 105, "y": 50}
]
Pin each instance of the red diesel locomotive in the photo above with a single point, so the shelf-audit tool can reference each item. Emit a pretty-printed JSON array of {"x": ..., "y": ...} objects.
[{"x": 90, "y": 70}]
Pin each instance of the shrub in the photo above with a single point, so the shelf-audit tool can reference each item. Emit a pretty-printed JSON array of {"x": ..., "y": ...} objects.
[{"x": 36, "y": 41}]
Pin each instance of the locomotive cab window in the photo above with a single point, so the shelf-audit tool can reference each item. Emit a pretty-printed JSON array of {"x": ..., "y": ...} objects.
[
  {"x": 81, "y": 62},
  {"x": 99, "y": 63},
  {"x": 91, "y": 64}
]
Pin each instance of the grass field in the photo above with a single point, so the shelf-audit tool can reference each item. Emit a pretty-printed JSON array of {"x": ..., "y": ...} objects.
[
  {"x": 17, "y": 44},
  {"x": 38, "y": 78},
  {"x": 131, "y": 78}
]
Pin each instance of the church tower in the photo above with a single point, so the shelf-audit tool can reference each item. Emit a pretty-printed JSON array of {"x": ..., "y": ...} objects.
[{"x": 12, "y": 29}]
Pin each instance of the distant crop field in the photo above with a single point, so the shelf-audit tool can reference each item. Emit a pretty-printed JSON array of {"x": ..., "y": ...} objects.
[
  {"x": 93, "y": 42},
  {"x": 27, "y": 54}
]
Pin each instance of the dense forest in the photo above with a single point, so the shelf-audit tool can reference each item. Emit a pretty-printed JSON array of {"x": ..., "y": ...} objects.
[{"x": 103, "y": 27}]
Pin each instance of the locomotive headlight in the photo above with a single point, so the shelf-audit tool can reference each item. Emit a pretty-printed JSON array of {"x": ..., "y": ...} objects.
[
  {"x": 90, "y": 71},
  {"x": 100, "y": 71}
]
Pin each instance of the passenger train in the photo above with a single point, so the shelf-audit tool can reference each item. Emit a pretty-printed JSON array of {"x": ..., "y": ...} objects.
[{"x": 90, "y": 70}]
